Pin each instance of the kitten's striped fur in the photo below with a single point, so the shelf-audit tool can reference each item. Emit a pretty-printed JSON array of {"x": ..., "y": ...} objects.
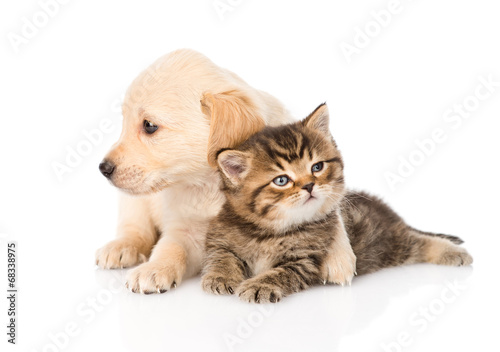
[{"x": 269, "y": 241}]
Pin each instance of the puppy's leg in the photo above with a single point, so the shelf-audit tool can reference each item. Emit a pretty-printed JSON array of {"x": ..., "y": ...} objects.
[
  {"x": 174, "y": 257},
  {"x": 340, "y": 264},
  {"x": 163, "y": 271},
  {"x": 136, "y": 236}
]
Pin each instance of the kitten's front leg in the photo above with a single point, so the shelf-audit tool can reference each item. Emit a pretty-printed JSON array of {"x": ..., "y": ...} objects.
[
  {"x": 274, "y": 284},
  {"x": 223, "y": 272},
  {"x": 340, "y": 264}
]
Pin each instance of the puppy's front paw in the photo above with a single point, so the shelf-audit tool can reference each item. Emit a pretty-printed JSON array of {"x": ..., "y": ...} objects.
[
  {"x": 155, "y": 276},
  {"x": 340, "y": 266},
  {"x": 255, "y": 291},
  {"x": 216, "y": 283},
  {"x": 120, "y": 253}
]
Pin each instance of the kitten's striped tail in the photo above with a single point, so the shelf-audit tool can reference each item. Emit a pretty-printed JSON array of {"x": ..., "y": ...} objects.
[{"x": 454, "y": 239}]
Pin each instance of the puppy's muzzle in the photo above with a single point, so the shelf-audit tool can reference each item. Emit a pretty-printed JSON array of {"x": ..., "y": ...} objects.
[{"x": 106, "y": 167}]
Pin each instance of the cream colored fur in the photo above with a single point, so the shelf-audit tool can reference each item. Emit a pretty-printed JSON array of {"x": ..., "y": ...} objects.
[{"x": 170, "y": 191}]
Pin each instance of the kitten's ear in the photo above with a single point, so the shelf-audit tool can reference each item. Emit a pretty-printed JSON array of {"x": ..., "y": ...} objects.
[
  {"x": 319, "y": 119},
  {"x": 233, "y": 119},
  {"x": 234, "y": 164}
]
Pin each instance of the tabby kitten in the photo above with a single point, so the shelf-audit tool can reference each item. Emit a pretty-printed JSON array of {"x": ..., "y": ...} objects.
[{"x": 288, "y": 223}]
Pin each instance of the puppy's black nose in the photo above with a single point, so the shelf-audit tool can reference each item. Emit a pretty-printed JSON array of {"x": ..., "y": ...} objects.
[
  {"x": 309, "y": 187},
  {"x": 106, "y": 168}
]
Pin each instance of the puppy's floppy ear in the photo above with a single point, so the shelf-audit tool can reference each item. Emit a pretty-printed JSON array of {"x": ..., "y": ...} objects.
[
  {"x": 234, "y": 164},
  {"x": 233, "y": 119},
  {"x": 319, "y": 119}
]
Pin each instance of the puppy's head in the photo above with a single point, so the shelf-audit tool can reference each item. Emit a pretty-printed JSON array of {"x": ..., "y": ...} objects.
[{"x": 174, "y": 123}]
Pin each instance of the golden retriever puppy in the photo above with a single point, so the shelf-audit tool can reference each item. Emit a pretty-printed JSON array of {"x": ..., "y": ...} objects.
[{"x": 176, "y": 116}]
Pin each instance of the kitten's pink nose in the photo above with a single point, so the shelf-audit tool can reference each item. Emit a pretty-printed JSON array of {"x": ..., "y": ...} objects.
[{"x": 309, "y": 187}]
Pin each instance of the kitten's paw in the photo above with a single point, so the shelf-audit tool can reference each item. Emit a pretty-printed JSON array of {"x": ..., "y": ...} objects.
[
  {"x": 457, "y": 256},
  {"x": 218, "y": 284},
  {"x": 340, "y": 267},
  {"x": 120, "y": 253},
  {"x": 155, "y": 277},
  {"x": 255, "y": 292}
]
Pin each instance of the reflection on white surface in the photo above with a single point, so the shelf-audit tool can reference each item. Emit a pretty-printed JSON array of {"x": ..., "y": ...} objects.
[{"x": 318, "y": 319}]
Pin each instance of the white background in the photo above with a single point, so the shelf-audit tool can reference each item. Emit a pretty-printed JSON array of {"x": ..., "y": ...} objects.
[{"x": 71, "y": 75}]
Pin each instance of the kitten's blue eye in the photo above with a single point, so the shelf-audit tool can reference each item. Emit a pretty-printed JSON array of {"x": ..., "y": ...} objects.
[
  {"x": 281, "y": 180},
  {"x": 317, "y": 167}
]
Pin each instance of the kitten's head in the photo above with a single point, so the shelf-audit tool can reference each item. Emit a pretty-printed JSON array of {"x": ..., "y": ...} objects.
[{"x": 285, "y": 176}]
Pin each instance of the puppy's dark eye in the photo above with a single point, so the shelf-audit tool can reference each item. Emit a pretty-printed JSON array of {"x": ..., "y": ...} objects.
[
  {"x": 317, "y": 167},
  {"x": 149, "y": 127}
]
